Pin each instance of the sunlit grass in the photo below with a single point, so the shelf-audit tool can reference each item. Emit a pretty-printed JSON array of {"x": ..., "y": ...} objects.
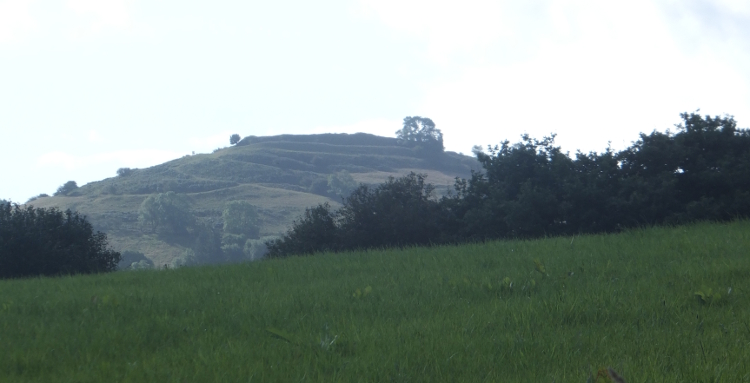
[{"x": 656, "y": 305}]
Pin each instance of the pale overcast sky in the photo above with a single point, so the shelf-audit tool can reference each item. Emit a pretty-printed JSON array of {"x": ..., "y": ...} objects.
[{"x": 89, "y": 86}]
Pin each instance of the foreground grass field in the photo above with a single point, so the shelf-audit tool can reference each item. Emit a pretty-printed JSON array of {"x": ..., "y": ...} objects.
[{"x": 657, "y": 305}]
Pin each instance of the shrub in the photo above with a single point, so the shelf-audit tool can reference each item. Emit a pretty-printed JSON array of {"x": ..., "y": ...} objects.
[
  {"x": 50, "y": 242},
  {"x": 43, "y": 195},
  {"x": 241, "y": 217},
  {"x": 123, "y": 172},
  {"x": 129, "y": 258},
  {"x": 66, "y": 188},
  {"x": 168, "y": 211}
]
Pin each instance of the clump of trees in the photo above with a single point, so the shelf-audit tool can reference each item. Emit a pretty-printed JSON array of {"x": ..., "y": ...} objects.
[
  {"x": 49, "y": 242},
  {"x": 531, "y": 189},
  {"x": 238, "y": 239},
  {"x": 241, "y": 224},
  {"x": 166, "y": 213},
  {"x": 66, "y": 188},
  {"x": 421, "y": 132},
  {"x": 398, "y": 212}
]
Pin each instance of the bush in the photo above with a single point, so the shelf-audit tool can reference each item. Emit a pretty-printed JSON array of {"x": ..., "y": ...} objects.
[
  {"x": 166, "y": 211},
  {"x": 241, "y": 217},
  {"x": 130, "y": 258},
  {"x": 315, "y": 232},
  {"x": 124, "y": 172},
  {"x": 49, "y": 242},
  {"x": 234, "y": 139},
  {"x": 43, "y": 195},
  {"x": 66, "y": 188}
]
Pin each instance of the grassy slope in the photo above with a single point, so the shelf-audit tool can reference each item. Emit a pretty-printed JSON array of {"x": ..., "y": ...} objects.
[
  {"x": 273, "y": 173},
  {"x": 417, "y": 315}
]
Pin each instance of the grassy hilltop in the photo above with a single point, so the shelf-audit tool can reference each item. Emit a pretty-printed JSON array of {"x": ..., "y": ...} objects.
[
  {"x": 656, "y": 305},
  {"x": 278, "y": 174}
]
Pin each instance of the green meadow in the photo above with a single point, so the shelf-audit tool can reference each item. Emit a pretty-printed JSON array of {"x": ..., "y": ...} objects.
[{"x": 656, "y": 305}]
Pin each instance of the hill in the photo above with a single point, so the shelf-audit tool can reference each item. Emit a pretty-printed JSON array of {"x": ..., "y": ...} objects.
[{"x": 281, "y": 175}]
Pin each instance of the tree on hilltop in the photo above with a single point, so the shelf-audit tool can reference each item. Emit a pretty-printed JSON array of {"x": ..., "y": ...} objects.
[
  {"x": 234, "y": 139},
  {"x": 421, "y": 131},
  {"x": 66, "y": 188}
]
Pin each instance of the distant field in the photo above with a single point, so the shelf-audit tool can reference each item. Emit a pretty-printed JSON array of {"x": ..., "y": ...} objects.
[{"x": 657, "y": 305}]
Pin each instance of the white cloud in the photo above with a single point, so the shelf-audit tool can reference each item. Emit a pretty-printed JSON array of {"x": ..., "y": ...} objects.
[
  {"x": 588, "y": 70},
  {"x": 16, "y": 21},
  {"x": 70, "y": 19},
  {"x": 100, "y": 15},
  {"x": 447, "y": 26},
  {"x": 94, "y": 17},
  {"x": 588, "y": 103},
  {"x": 94, "y": 136}
]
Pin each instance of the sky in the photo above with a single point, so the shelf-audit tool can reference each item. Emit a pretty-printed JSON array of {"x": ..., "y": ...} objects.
[{"x": 90, "y": 86}]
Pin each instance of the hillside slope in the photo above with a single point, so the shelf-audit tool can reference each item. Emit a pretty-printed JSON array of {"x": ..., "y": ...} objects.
[{"x": 281, "y": 175}]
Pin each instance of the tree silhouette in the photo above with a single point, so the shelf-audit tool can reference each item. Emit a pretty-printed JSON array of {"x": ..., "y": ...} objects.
[
  {"x": 234, "y": 139},
  {"x": 50, "y": 242},
  {"x": 66, "y": 188},
  {"x": 420, "y": 131}
]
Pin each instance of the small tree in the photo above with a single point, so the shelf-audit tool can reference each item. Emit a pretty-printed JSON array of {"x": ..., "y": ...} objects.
[
  {"x": 234, "y": 139},
  {"x": 421, "y": 132},
  {"x": 50, "y": 242},
  {"x": 66, "y": 188},
  {"x": 170, "y": 211},
  {"x": 241, "y": 224},
  {"x": 241, "y": 217}
]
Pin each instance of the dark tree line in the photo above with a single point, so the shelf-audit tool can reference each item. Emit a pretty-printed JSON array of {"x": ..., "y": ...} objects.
[
  {"x": 531, "y": 189},
  {"x": 50, "y": 242}
]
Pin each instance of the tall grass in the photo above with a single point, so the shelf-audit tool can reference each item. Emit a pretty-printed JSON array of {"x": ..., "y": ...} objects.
[{"x": 655, "y": 305}]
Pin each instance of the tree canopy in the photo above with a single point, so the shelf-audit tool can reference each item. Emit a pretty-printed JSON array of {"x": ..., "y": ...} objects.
[
  {"x": 234, "y": 139},
  {"x": 532, "y": 189},
  {"x": 168, "y": 212},
  {"x": 50, "y": 242},
  {"x": 421, "y": 131},
  {"x": 66, "y": 188}
]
